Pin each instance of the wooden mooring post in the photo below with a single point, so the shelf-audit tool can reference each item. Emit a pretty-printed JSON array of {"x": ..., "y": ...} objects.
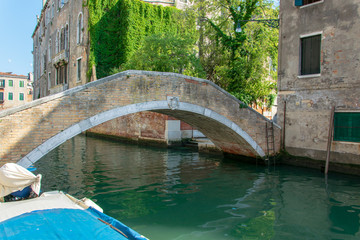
[{"x": 331, "y": 129}]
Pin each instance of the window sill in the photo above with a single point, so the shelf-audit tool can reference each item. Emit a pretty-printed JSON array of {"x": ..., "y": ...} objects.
[
  {"x": 310, "y": 76},
  {"x": 311, "y": 4},
  {"x": 346, "y": 142}
]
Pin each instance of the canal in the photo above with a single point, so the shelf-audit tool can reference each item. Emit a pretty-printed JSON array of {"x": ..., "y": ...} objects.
[{"x": 179, "y": 194}]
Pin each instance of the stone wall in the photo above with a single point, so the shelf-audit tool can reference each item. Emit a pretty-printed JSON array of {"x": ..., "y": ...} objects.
[{"x": 306, "y": 100}]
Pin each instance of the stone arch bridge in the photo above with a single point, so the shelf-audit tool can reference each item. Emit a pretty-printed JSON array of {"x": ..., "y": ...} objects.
[{"x": 31, "y": 131}]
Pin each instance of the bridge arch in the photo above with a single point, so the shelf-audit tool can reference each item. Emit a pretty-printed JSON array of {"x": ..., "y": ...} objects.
[
  {"x": 156, "y": 106},
  {"x": 30, "y": 131}
]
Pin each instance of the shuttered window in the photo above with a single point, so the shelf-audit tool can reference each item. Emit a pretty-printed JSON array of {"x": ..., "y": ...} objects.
[
  {"x": 347, "y": 126},
  {"x": 310, "y": 55}
]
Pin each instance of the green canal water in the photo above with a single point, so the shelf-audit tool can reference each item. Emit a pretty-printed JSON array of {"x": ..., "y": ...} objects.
[{"x": 178, "y": 194}]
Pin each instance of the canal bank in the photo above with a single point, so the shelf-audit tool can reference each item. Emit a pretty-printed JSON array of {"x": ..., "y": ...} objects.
[{"x": 204, "y": 145}]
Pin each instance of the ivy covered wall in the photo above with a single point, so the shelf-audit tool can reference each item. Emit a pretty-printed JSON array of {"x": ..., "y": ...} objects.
[{"x": 118, "y": 27}]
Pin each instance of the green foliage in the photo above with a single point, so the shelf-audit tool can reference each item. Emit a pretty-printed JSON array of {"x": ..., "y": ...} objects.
[
  {"x": 118, "y": 28},
  {"x": 165, "y": 53},
  {"x": 243, "y": 63}
]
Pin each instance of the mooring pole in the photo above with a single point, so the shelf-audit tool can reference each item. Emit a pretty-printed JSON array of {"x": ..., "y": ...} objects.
[
  {"x": 331, "y": 127},
  {"x": 283, "y": 130}
]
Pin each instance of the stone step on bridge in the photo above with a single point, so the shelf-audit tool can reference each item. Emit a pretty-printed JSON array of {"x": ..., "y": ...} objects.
[{"x": 31, "y": 131}]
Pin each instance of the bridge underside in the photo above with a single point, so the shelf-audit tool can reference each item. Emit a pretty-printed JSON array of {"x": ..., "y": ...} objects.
[{"x": 221, "y": 135}]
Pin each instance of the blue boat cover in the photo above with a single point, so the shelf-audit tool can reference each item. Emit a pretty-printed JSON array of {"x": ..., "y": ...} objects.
[{"x": 66, "y": 224}]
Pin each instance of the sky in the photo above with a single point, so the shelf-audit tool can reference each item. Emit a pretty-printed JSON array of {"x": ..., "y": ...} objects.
[{"x": 17, "y": 24}]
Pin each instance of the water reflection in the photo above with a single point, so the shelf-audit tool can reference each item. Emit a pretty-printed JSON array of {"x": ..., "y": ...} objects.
[{"x": 179, "y": 194}]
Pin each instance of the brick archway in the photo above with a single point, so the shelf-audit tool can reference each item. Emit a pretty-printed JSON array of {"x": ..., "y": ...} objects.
[{"x": 31, "y": 131}]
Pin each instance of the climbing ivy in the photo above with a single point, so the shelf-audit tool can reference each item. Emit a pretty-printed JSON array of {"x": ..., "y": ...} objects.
[{"x": 118, "y": 28}]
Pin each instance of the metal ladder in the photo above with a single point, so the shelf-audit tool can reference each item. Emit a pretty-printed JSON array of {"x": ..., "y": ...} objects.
[{"x": 270, "y": 140}]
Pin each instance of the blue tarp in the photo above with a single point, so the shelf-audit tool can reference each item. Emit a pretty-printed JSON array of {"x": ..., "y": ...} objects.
[{"x": 65, "y": 224}]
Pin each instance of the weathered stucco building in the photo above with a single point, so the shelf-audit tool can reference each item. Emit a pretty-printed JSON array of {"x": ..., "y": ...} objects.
[
  {"x": 60, "y": 47},
  {"x": 318, "y": 70},
  {"x": 15, "y": 90}
]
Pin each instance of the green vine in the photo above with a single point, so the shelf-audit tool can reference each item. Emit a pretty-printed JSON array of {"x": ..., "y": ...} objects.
[{"x": 118, "y": 28}]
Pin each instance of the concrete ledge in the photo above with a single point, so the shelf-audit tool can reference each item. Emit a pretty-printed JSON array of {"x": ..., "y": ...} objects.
[{"x": 299, "y": 161}]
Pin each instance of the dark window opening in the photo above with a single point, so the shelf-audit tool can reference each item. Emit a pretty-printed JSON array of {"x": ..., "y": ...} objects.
[
  {"x": 305, "y": 2},
  {"x": 79, "y": 69},
  {"x": 61, "y": 73},
  {"x": 310, "y": 55}
]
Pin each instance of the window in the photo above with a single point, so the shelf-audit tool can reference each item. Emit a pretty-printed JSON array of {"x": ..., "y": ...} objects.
[
  {"x": 305, "y": 2},
  {"x": 79, "y": 28},
  {"x": 44, "y": 63},
  {"x": 21, "y": 96},
  {"x": 64, "y": 69},
  {"x": 11, "y": 83},
  {"x": 66, "y": 43},
  {"x": 49, "y": 80},
  {"x": 10, "y": 97},
  {"x": 1, "y": 97},
  {"x": 47, "y": 16},
  {"x": 347, "y": 126},
  {"x": 2, "y": 83},
  {"x": 57, "y": 42},
  {"x": 79, "y": 69},
  {"x": 61, "y": 75},
  {"x": 61, "y": 3},
  {"x": 49, "y": 50},
  {"x": 62, "y": 39},
  {"x": 21, "y": 83},
  {"x": 310, "y": 55},
  {"x": 52, "y": 10}
]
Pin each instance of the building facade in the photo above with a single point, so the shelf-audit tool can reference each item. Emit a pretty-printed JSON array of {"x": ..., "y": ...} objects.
[
  {"x": 318, "y": 70},
  {"x": 60, "y": 47},
  {"x": 15, "y": 90}
]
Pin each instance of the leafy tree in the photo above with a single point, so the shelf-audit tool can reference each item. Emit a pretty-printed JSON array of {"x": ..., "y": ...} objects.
[
  {"x": 166, "y": 53},
  {"x": 239, "y": 60}
]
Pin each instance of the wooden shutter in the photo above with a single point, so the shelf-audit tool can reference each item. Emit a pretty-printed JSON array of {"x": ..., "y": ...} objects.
[
  {"x": 310, "y": 55},
  {"x": 347, "y": 127}
]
